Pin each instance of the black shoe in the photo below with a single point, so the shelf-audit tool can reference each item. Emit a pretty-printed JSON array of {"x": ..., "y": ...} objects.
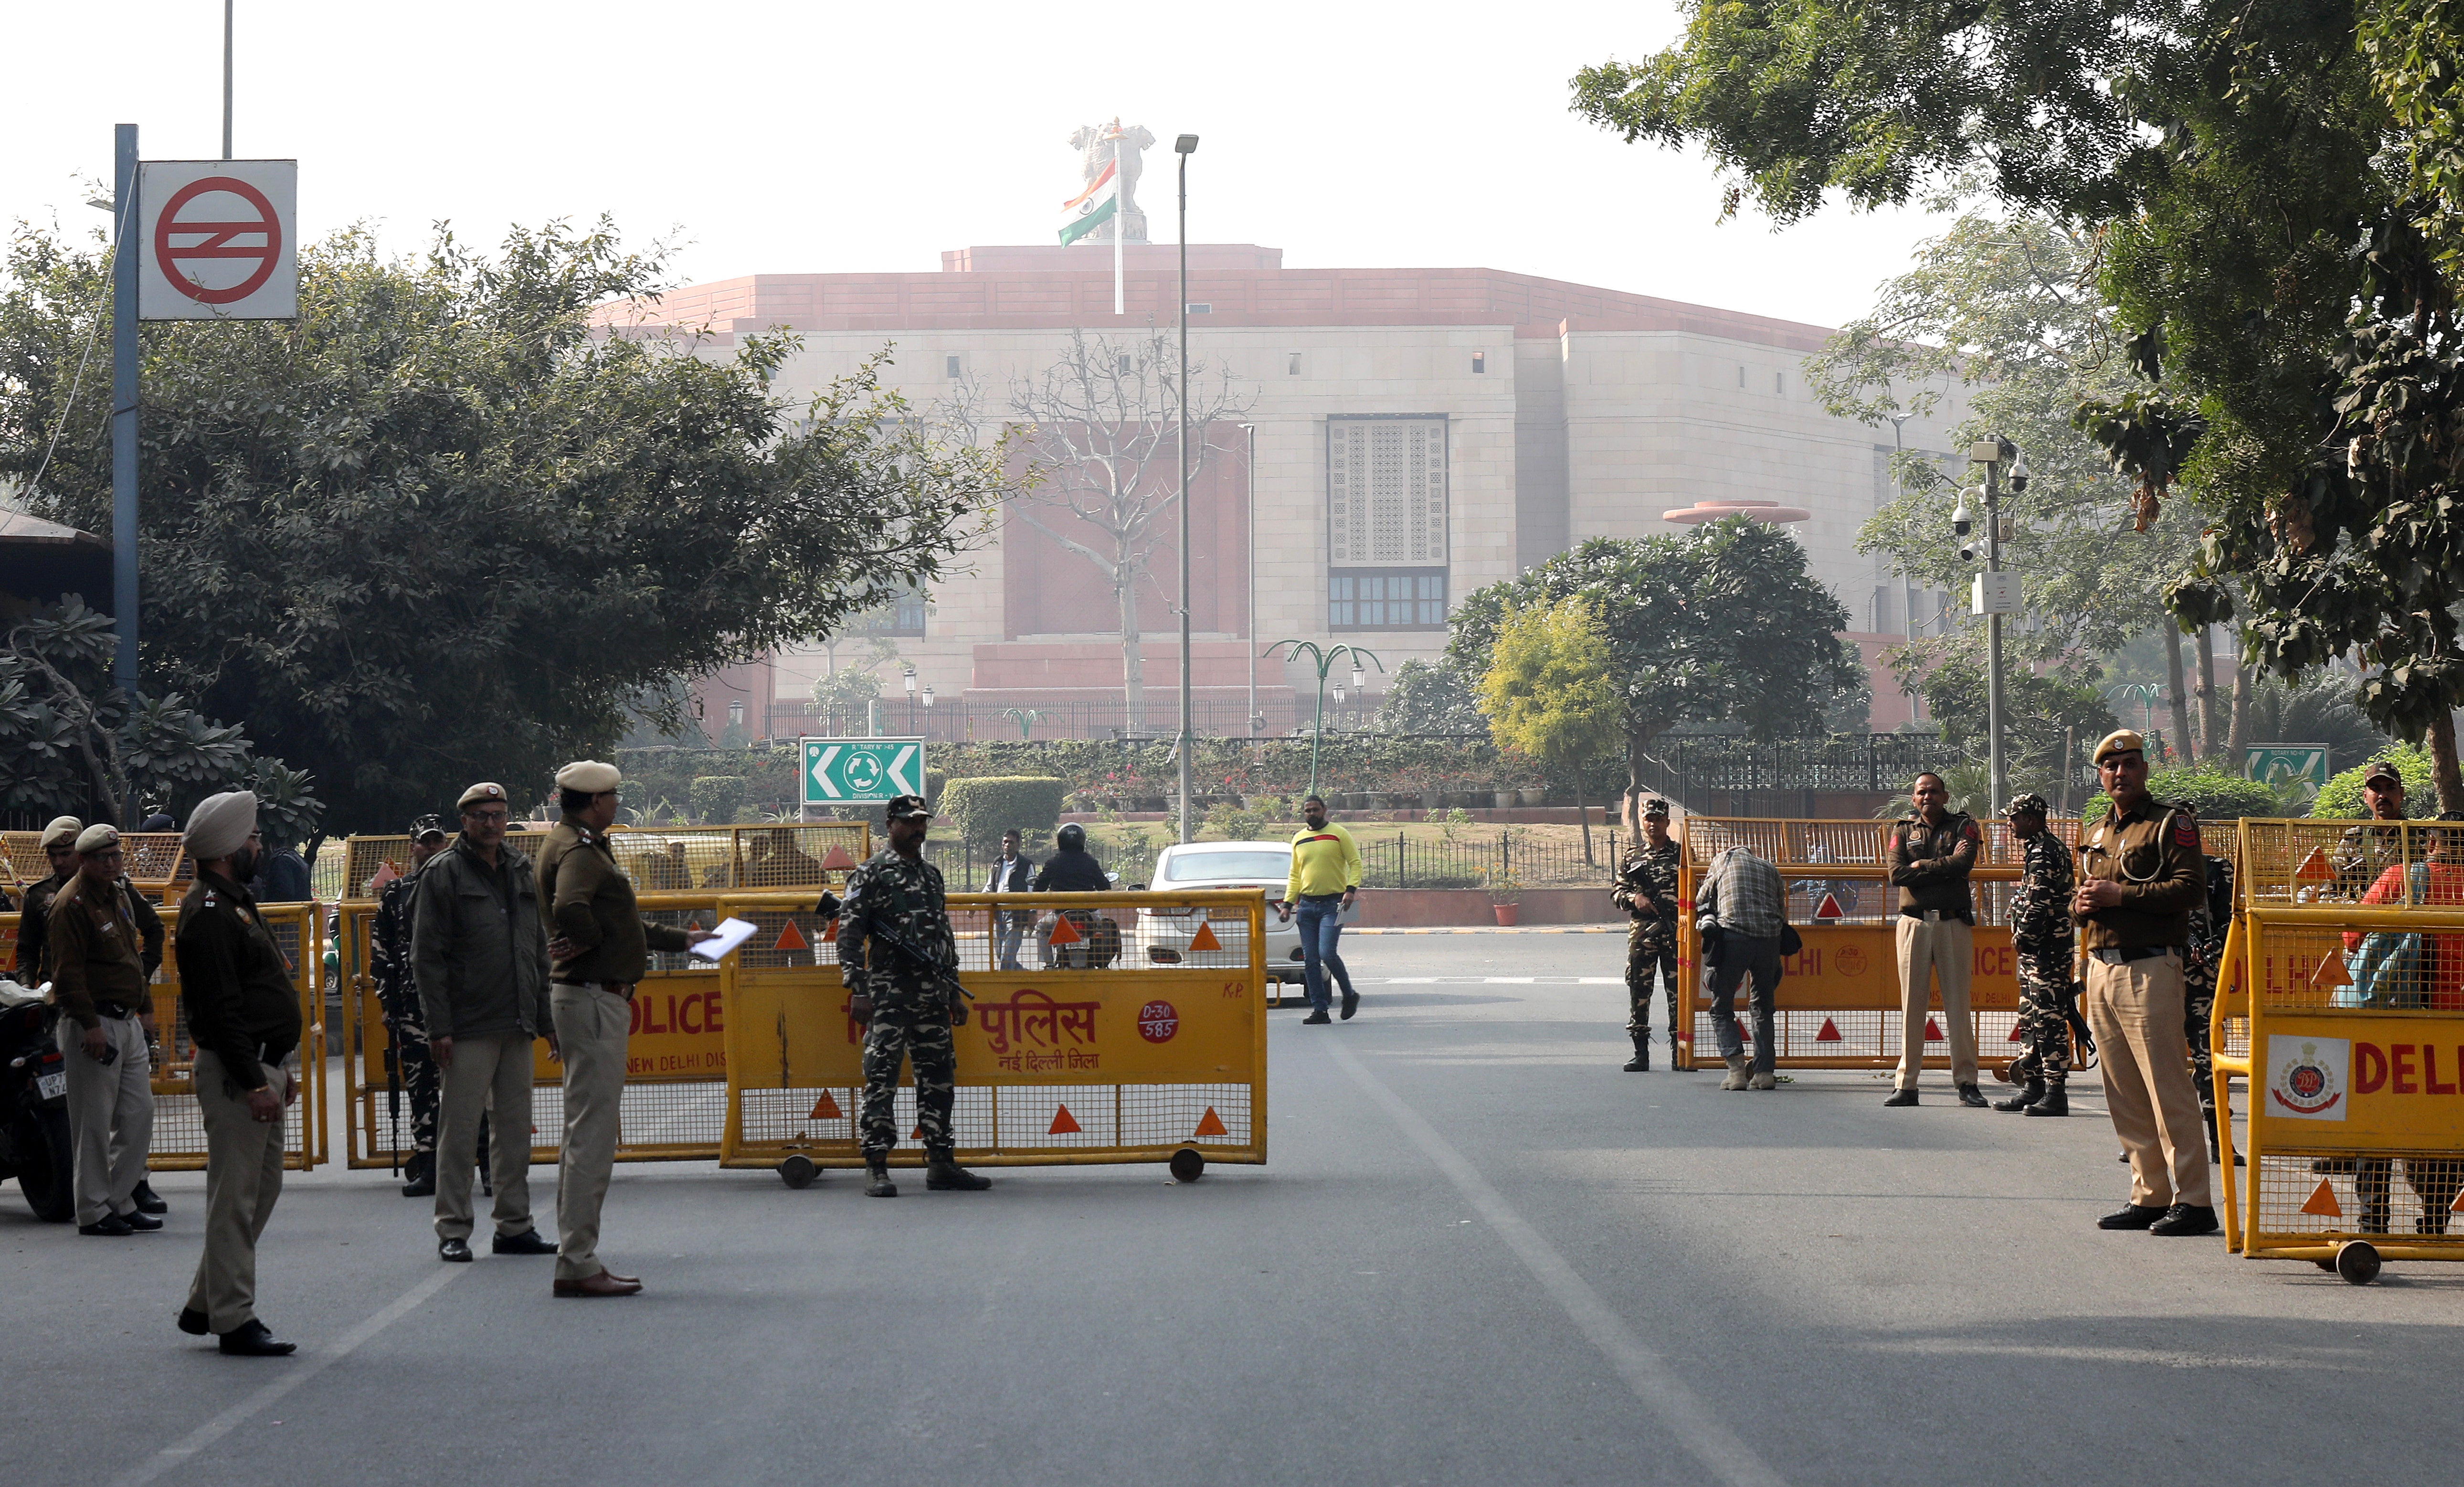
[
  {"x": 2130, "y": 1215},
  {"x": 456, "y": 1251},
  {"x": 1901, "y": 1099},
  {"x": 251, "y": 1340},
  {"x": 2020, "y": 1100},
  {"x": 192, "y": 1321},
  {"x": 2055, "y": 1101},
  {"x": 112, "y": 1227},
  {"x": 419, "y": 1175},
  {"x": 1641, "y": 1063},
  {"x": 146, "y": 1199},
  {"x": 1314, "y": 1018},
  {"x": 527, "y": 1242},
  {"x": 421, "y": 1186},
  {"x": 879, "y": 1185},
  {"x": 942, "y": 1174},
  {"x": 1972, "y": 1097},
  {"x": 1351, "y": 1003},
  {"x": 2183, "y": 1218},
  {"x": 143, "y": 1222}
]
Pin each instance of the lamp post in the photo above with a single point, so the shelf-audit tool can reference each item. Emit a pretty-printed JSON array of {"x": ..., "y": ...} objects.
[
  {"x": 1184, "y": 146},
  {"x": 1324, "y": 660},
  {"x": 1026, "y": 717},
  {"x": 1993, "y": 598},
  {"x": 1250, "y": 606},
  {"x": 2148, "y": 695}
]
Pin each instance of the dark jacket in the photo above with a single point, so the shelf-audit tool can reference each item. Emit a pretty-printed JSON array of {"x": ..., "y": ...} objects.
[
  {"x": 234, "y": 982},
  {"x": 590, "y": 900},
  {"x": 102, "y": 954},
  {"x": 283, "y": 878},
  {"x": 1012, "y": 877},
  {"x": 1072, "y": 872},
  {"x": 478, "y": 946},
  {"x": 1930, "y": 865},
  {"x": 33, "y": 929}
]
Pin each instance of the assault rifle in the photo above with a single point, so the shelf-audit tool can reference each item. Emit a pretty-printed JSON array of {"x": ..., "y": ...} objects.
[{"x": 932, "y": 967}]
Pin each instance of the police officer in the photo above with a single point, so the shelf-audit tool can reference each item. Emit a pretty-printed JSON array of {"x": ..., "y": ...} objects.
[
  {"x": 1646, "y": 889},
  {"x": 405, "y": 1024},
  {"x": 244, "y": 1014},
  {"x": 2042, "y": 934},
  {"x": 601, "y": 951},
  {"x": 897, "y": 960},
  {"x": 1933, "y": 849},
  {"x": 2141, "y": 873},
  {"x": 60, "y": 845},
  {"x": 102, "y": 954}
]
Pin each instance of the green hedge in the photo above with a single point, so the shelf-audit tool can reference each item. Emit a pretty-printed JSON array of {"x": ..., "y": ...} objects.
[
  {"x": 715, "y": 798},
  {"x": 987, "y": 805},
  {"x": 2213, "y": 792},
  {"x": 2342, "y": 795}
]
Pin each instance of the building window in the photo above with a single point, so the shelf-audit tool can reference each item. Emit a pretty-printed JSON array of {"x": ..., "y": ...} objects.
[
  {"x": 901, "y": 617},
  {"x": 1293, "y": 368},
  {"x": 1479, "y": 362},
  {"x": 1386, "y": 599},
  {"x": 1122, "y": 365},
  {"x": 1779, "y": 383},
  {"x": 952, "y": 363},
  {"x": 1386, "y": 489},
  {"x": 1741, "y": 376},
  {"x": 1200, "y": 307}
]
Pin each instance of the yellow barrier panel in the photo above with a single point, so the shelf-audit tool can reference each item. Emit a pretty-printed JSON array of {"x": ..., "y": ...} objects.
[
  {"x": 785, "y": 856},
  {"x": 1125, "y": 1062},
  {"x": 156, "y": 862},
  {"x": 2355, "y": 1059}
]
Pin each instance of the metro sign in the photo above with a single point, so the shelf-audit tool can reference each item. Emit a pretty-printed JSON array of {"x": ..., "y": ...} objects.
[
  {"x": 861, "y": 771},
  {"x": 218, "y": 240}
]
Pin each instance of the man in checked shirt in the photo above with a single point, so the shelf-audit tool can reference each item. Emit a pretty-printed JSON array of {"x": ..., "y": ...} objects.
[{"x": 1740, "y": 912}]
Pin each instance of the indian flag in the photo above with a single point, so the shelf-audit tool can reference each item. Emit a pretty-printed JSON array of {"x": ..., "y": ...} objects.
[{"x": 1091, "y": 207}]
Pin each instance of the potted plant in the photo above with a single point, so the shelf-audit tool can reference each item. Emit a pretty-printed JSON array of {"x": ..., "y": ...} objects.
[{"x": 1505, "y": 897}]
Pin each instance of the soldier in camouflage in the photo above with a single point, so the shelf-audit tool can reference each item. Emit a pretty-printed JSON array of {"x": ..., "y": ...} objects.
[
  {"x": 2210, "y": 920},
  {"x": 899, "y": 963},
  {"x": 1646, "y": 889},
  {"x": 2046, "y": 942},
  {"x": 406, "y": 1024}
]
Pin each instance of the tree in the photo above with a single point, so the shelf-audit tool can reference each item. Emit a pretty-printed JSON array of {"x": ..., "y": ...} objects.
[
  {"x": 436, "y": 529},
  {"x": 1431, "y": 697},
  {"x": 1103, "y": 428},
  {"x": 2048, "y": 718},
  {"x": 1722, "y": 624},
  {"x": 1548, "y": 691}
]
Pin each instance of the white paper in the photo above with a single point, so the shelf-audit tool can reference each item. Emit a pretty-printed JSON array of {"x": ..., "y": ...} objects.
[{"x": 730, "y": 934}]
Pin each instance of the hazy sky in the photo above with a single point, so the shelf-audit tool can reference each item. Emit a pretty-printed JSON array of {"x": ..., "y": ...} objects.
[{"x": 819, "y": 138}]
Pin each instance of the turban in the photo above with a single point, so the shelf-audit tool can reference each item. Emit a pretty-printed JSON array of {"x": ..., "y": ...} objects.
[{"x": 221, "y": 824}]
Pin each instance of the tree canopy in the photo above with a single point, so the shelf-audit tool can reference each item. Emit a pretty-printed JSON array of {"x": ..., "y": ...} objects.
[
  {"x": 1430, "y": 696},
  {"x": 1548, "y": 691},
  {"x": 437, "y": 529}
]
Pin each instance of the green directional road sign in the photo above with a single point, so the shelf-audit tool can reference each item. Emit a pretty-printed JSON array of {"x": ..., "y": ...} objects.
[
  {"x": 862, "y": 771},
  {"x": 2270, "y": 763}
]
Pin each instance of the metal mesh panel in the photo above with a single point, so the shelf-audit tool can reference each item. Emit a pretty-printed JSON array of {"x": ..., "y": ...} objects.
[
  {"x": 2329, "y": 861},
  {"x": 2408, "y": 1196},
  {"x": 154, "y": 860},
  {"x": 683, "y": 860},
  {"x": 1862, "y": 1035},
  {"x": 179, "y": 1140},
  {"x": 2388, "y": 968}
]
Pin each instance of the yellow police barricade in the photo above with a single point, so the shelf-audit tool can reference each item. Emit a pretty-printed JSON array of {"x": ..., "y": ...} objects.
[
  {"x": 2346, "y": 967},
  {"x": 179, "y": 1124},
  {"x": 1837, "y": 1006},
  {"x": 676, "y": 1076},
  {"x": 1105, "y": 1057}
]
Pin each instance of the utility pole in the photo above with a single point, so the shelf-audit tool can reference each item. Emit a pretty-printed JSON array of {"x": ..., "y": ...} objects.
[
  {"x": 1995, "y": 594},
  {"x": 227, "y": 78},
  {"x": 1184, "y": 146},
  {"x": 124, "y": 406}
]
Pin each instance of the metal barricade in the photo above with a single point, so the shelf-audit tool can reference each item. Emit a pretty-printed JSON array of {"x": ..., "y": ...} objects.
[
  {"x": 179, "y": 1124},
  {"x": 155, "y": 861},
  {"x": 1837, "y": 1006},
  {"x": 784, "y": 856},
  {"x": 2341, "y": 1004},
  {"x": 1087, "y": 1061}
]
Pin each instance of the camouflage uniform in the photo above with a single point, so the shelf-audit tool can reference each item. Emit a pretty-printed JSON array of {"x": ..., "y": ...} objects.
[
  {"x": 2042, "y": 933},
  {"x": 2210, "y": 919},
  {"x": 406, "y": 1024},
  {"x": 1646, "y": 889},
  {"x": 911, "y": 1011},
  {"x": 2363, "y": 853}
]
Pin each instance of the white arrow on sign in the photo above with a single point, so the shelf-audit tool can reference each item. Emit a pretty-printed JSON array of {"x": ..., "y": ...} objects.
[
  {"x": 821, "y": 771},
  {"x": 899, "y": 771}
]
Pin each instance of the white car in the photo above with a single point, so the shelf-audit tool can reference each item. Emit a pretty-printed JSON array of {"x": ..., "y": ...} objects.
[{"x": 1162, "y": 935}]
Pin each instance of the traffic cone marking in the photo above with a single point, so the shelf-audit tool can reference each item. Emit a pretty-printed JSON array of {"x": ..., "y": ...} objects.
[
  {"x": 1829, "y": 908},
  {"x": 2331, "y": 972},
  {"x": 2323, "y": 1202},
  {"x": 790, "y": 938},
  {"x": 1210, "y": 1125},
  {"x": 1933, "y": 1031},
  {"x": 1065, "y": 932},
  {"x": 838, "y": 859},
  {"x": 1064, "y": 1124},
  {"x": 826, "y": 1108},
  {"x": 2314, "y": 868},
  {"x": 1829, "y": 1032},
  {"x": 2015, "y": 1034},
  {"x": 1204, "y": 938}
]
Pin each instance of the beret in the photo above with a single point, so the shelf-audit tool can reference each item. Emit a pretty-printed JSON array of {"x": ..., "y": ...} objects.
[
  {"x": 588, "y": 776},
  {"x": 2121, "y": 740},
  {"x": 485, "y": 790},
  {"x": 98, "y": 838},
  {"x": 62, "y": 832},
  {"x": 221, "y": 824}
]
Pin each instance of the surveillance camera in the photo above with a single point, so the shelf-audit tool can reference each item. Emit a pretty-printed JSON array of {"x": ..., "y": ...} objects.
[
  {"x": 1967, "y": 552},
  {"x": 1961, "y": 519}
]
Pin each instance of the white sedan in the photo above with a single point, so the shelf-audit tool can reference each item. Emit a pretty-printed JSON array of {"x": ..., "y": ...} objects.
[{"x": 1163, "y": 934}]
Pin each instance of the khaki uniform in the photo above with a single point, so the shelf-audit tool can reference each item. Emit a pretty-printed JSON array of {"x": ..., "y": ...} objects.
[
  {"x": 590, "y": 995},
  {"x": 102, "y": 956},
  {"x": 1936, "y": 938},
  {"x": 2135, "y": 952},
  {"x": 244, "y": 1012}
]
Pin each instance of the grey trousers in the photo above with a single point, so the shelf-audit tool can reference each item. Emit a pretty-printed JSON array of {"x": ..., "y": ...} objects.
[
  {"x": 591, "y": 1026},
  {"x": 111, "y": 1117},
  {"x": 243, "y": 1178},
  {"x": 488, "y": 1072},
  {"x": 1743, "y": 956}
]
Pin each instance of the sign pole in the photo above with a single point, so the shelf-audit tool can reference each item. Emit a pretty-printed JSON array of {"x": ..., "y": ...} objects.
[
  {"x": 124, "y": 406},
  {"x": 227, "y": 78}
]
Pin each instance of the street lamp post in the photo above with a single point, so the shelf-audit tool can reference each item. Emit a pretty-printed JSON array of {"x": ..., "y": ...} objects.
[
  {"x": 1993, "y": 597},
  {"x": 1026, "y": 717},
  {"x": 1250, "y": 606},
  {"x": 1184, "y": 146},
  {"x": 1324, "y": 660}
]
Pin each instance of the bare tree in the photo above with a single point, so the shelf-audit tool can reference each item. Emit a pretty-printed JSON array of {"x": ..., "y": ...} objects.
[{"x": 1102, "y": 424}]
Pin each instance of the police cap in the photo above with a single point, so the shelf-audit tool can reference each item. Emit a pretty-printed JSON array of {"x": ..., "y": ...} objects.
[
  {"x": 2027, "y": 803},
  {"x": 479, "y": 794},
  {"x": 62, "y": 832},
  {"x": 907, "y": 807},
  {"x": 98, "y": 838},
  {"x": 1654, "y": 806},
  {"x": 2121, "y": 740}
]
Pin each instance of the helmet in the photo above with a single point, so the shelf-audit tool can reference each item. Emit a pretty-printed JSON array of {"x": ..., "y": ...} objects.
[{"x": 1072, "y": 838}]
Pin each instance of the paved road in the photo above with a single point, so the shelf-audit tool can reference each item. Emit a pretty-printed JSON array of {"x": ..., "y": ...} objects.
[{"x": 1481, "y": 1255}]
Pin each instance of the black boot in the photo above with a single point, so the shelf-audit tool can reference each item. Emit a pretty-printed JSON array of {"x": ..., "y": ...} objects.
[
  {"x": 943, "y": 1175},
  {"x": 419, "y": 1175},
  {"x": 878, "y": 1183},
  {"x": 2056, "y": 1100},
  {"x": 1641, "y": 1063},
  {"x": 2022, "y": 1098}
]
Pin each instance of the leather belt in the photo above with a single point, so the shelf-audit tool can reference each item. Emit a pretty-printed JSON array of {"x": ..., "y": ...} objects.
[{"x": 2122, "y": 955}]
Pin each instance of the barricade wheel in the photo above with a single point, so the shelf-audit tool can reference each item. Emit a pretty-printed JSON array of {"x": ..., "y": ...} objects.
[
  {"x": 798, "y": 1171},
  {"x": 1187, "y": 1165},
  {"x": 2357, "y": 1261}
]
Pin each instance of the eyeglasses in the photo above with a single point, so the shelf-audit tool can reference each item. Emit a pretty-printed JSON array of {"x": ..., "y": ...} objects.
[{"x": 489, "y": 817}]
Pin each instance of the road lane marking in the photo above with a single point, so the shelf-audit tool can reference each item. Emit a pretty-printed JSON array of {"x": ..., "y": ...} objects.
[
  {"x": 295, "y": 1373},
  {"x": 1644, "y": 1370}
]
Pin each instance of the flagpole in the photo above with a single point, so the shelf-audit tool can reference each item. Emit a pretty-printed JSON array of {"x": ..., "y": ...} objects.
[{"x": 1119, "y": 221}]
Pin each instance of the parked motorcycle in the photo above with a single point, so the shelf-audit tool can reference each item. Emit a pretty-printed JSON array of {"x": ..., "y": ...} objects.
[{"x": 35, "y": 1107}]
